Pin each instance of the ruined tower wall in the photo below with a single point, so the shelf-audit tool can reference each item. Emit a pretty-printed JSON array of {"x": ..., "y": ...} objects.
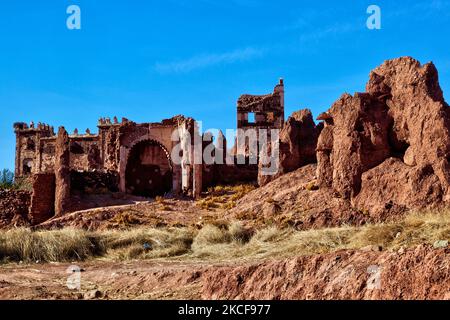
[
  {"x": 267, "y": 111},
  {"x": 28, "y": 147},
  {"x": 43, "y": 198},
  {"x": 46, "y": 156},
  {"x": 62, "y": 172},
  {"x": 84, "y": 153}
]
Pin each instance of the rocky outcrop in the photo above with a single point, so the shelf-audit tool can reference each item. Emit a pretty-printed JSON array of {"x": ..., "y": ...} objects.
[
  {"x": 389, "y": 147},
  {"x": 298, "y": 141},
  {"x": 420, "y": 134},
  {"x": 62, "y": 172},
  {"x": 358, "y": 136},
  {"x": 393, "y": 187}
]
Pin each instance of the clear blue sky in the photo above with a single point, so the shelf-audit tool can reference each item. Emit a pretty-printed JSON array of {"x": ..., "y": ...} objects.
[{"x": 148, "y": 60}]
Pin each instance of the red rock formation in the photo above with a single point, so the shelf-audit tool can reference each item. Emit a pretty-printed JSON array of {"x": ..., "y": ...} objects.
[
  {"x": 403, "y": 115},
  {"x": 298, "y": 141},
  {"x": 393, "y": 186},
  {"x": 62, "y": 172},
  {"x": 358, "y": 137},
  {"x": 421, "y": 126},
  {"x": 324, "y": 148}
]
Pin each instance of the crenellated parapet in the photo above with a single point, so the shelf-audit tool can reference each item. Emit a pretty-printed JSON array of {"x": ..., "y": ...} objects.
[{"x": 28, "y": 146}]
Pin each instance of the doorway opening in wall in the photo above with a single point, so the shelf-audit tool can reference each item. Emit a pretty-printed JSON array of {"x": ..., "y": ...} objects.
[
  {"x": 149, "y": 170},
  {"x": 251, "y": 117},
  {"x": 27, "y": 167}
]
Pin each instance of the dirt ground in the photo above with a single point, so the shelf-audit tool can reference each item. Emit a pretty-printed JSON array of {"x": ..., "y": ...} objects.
[
  {"x": 417, "y": 273},
  {"x": 101, "y": 280}
]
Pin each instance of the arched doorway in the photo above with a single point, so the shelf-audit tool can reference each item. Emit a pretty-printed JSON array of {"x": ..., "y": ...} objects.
[{"x": 149, "y": 170}]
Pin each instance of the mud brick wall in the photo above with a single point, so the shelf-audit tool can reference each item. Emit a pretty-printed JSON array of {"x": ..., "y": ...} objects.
[
  {"x": 43, "y": 198},
  {"x": 231, "y": 174},
  {"x": 94, "y": 182},
  {"x": 209, "y": 176},
  {"x": 14, "y": 207}
]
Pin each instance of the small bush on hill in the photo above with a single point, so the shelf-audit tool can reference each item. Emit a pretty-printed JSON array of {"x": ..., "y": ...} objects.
[{"x": 6, "y": 179}]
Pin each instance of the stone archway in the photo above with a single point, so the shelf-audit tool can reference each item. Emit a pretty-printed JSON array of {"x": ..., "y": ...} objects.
[{"x": 149, "y": 170}]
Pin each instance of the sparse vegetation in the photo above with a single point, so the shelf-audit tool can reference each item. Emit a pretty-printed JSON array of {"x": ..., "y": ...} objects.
[
  {"x": 160, "y": 200},
  {"x": 147, "y": 243},
  {"x": 59, "y": 245},
  {"x": 224, "y": 197},
  {"x": 312, "y": 186},
  {"x": 6, "y": 179},
  {"x": 124, "y": 219},
  {"x": 163, "y": 204},
  {"x": 221, "y": 241}
]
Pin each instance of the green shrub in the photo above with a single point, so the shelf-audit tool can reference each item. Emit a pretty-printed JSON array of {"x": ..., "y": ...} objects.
[{"x": 6, "y": 179}]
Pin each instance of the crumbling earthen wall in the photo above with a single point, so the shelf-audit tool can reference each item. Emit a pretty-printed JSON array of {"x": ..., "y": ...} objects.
[
  {"x": 46, "y": 157},
  {"x": 94, "y": 182},
  {"x": 62, "y": 172},
  {"x": 109, "y": 144},
  {"x": 42, "y": 205},
  {"x": 107, "y": 151},
  {"x": 28, "y": 146},
  {"x": 267, "y": 111},
  {"x": 84, "y": 152},
  {"x": 14, "y": 206},
  {"x": 132, "y": 135}
]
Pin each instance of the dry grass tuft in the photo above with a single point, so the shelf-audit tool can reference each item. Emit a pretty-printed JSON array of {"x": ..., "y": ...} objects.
[
  {"x": 124, "y": 219},
  {"x": 60, "y": 245},
  {"x": 146, "y": 243},
  {"x": 210, "y": 234},
  {"x": 224, "y": 197},
  {"x": 221, "y": 241},
  {"x": 239, "y": 233},
  {"x": 312, "y": 186}
]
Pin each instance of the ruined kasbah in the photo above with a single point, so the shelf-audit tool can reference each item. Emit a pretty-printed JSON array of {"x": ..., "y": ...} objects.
[
  {"x": 131, "y": 161},
  {"x": 361, "y": 195}
]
